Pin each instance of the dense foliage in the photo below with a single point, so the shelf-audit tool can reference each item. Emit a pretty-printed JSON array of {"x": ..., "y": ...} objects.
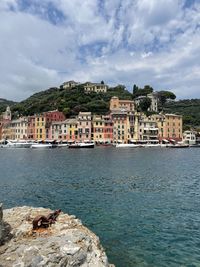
[
  {"x": 190, "y": 109},
  {"x": 70, "y": 101},
  {"x": 141, "y": 91},
  {"x": 4, "y": 103}
]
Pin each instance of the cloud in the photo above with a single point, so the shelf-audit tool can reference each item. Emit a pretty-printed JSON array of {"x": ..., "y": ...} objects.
[{"x": 46, "y": 42}]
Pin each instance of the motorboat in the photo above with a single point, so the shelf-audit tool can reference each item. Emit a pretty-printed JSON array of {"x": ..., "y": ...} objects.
[
  {"x": 151, "y": 145},
  {"x": 41, "y": 146},
  {"x": 127, "y": 145},
  {"x": 81, "y": 145},
  {"x": 16, "y": 144}
]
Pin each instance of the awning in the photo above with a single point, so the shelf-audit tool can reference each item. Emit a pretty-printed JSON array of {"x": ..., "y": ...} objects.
[{"x": 172, "y": 140}]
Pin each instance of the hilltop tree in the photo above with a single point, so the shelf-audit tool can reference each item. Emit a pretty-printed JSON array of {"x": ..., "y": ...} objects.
[
  {"x": 141, "y": 91},
  {"x": 163, "y": 96},
  {"x": 135, "y": 89},
  {"x": 145, "y": 104}
]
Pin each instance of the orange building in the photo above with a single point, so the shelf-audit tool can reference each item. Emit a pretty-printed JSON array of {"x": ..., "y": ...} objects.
[
  {"x": 170, "y": 126},
  {"x": 102, "y": 129},
  {"x": 117, "y": 104}
]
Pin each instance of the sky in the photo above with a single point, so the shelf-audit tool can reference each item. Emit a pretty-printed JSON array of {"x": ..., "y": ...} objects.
[{"x": 46, "y": 42}]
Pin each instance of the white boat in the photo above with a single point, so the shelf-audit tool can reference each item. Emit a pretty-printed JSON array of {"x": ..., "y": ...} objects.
[
  {"x": 127, "y": 145},
  {"x": 81, "y": 145},
  {"x": 16, "y": 144},
  {"x": 151, "y": 145},
  {"x": 41, "y": 146}
]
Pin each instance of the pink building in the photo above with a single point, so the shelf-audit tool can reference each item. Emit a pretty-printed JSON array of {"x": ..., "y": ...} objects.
[{"x": 31, "y": 130}]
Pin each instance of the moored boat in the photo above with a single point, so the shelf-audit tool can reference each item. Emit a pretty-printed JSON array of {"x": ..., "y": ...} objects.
[
  {"x": 179, "y": 146},
  {"x": 41, "y": 146},
  {"x": 16, "y": 144},
  {"x": 127, "y": 145},
  {"x": 81, "y": 145}
]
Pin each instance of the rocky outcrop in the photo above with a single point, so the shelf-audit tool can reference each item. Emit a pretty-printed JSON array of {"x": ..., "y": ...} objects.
[{"x": 65, "y": 243}]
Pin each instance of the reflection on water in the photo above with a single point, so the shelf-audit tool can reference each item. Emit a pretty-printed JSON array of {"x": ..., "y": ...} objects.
[{"x": 143, "y": 203}]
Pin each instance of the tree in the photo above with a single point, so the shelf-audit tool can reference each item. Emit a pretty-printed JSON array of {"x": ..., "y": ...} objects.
[
  {"x": 163, "y": 96},
  {"x": 145, "y": 104},
  {"x": 135, "y": 89},
  {"x": 102, "y": 82},
  {"x": 141, "y": 91}
]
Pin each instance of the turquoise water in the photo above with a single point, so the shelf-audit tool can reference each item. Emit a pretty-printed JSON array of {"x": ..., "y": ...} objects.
[{"x": 144, "y": 204}]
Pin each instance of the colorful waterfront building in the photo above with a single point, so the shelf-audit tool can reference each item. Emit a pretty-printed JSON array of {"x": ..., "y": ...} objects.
[
  {"x": 40, "y": 129},
  {"x": 120, "y": 126},
  {"x": 72, "y": 130},
  {"x": 190, "y": 137},
  {"x": 169, "y": 126},
  {"x": 15, "y": 129},
  {"x": 84, "y": 126},
  {"x": 102, "y": 129},
  {"x": 8, "y": 133},
  {"x": 31, "y": 129},
  {"x": 59, "y": 130},
  {"x": 43, "y": 123},
  {"x": 148, "y": 128}
]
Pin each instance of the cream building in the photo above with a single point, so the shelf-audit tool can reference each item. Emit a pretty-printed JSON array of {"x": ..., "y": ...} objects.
[
  {"x": 95, "y": 87},
  {"x": 189, "y": 137},
  {"x": 148, "y": 129},
  {"x": 15, "y": 129},
  {"x": 154, "y": 101},
  {"x": 84, "y": 126},
  {"x": 69, "y": 84}
]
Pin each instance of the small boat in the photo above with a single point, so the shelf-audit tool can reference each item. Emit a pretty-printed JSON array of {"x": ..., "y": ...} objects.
[
  {"x": 194, "y": 145},
  {"x": 151, "y": 145},
  {"x": 179, "y": 146},
  {"x": 127, "y": 145},
  {"x": 81, "y": 145},
  {"x": 41, "y": 146}
]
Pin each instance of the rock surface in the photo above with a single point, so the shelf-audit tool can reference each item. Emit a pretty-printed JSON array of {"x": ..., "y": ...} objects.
[{"x": 65, "y": 243}]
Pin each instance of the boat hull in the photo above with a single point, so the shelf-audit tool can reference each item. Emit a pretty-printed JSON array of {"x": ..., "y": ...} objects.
[
  {"x": 41, "y": 146},
  {"x": 81, "y": 145}
]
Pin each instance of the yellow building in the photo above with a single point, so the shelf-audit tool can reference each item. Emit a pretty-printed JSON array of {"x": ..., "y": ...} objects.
[
  {"x": 40, "y": 130},
  {"x": 72, "y": 130}
]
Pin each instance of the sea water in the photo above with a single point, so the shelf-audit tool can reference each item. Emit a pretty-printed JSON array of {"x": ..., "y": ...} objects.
[{"x": 143, "y": 203}]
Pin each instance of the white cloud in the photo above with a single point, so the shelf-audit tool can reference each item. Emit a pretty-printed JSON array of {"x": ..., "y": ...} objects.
[{"x": 142, "y": 41}]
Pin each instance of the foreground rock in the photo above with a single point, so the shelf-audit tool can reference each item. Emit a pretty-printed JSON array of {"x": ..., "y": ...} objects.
[{"x": 66, "y": 243}]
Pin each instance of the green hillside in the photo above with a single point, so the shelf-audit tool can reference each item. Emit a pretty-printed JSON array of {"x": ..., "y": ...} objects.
[
  {"x": 70, "y": 101},
  {"x": 189, "y": 108},
  {"x": 4, "y": 103}
]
